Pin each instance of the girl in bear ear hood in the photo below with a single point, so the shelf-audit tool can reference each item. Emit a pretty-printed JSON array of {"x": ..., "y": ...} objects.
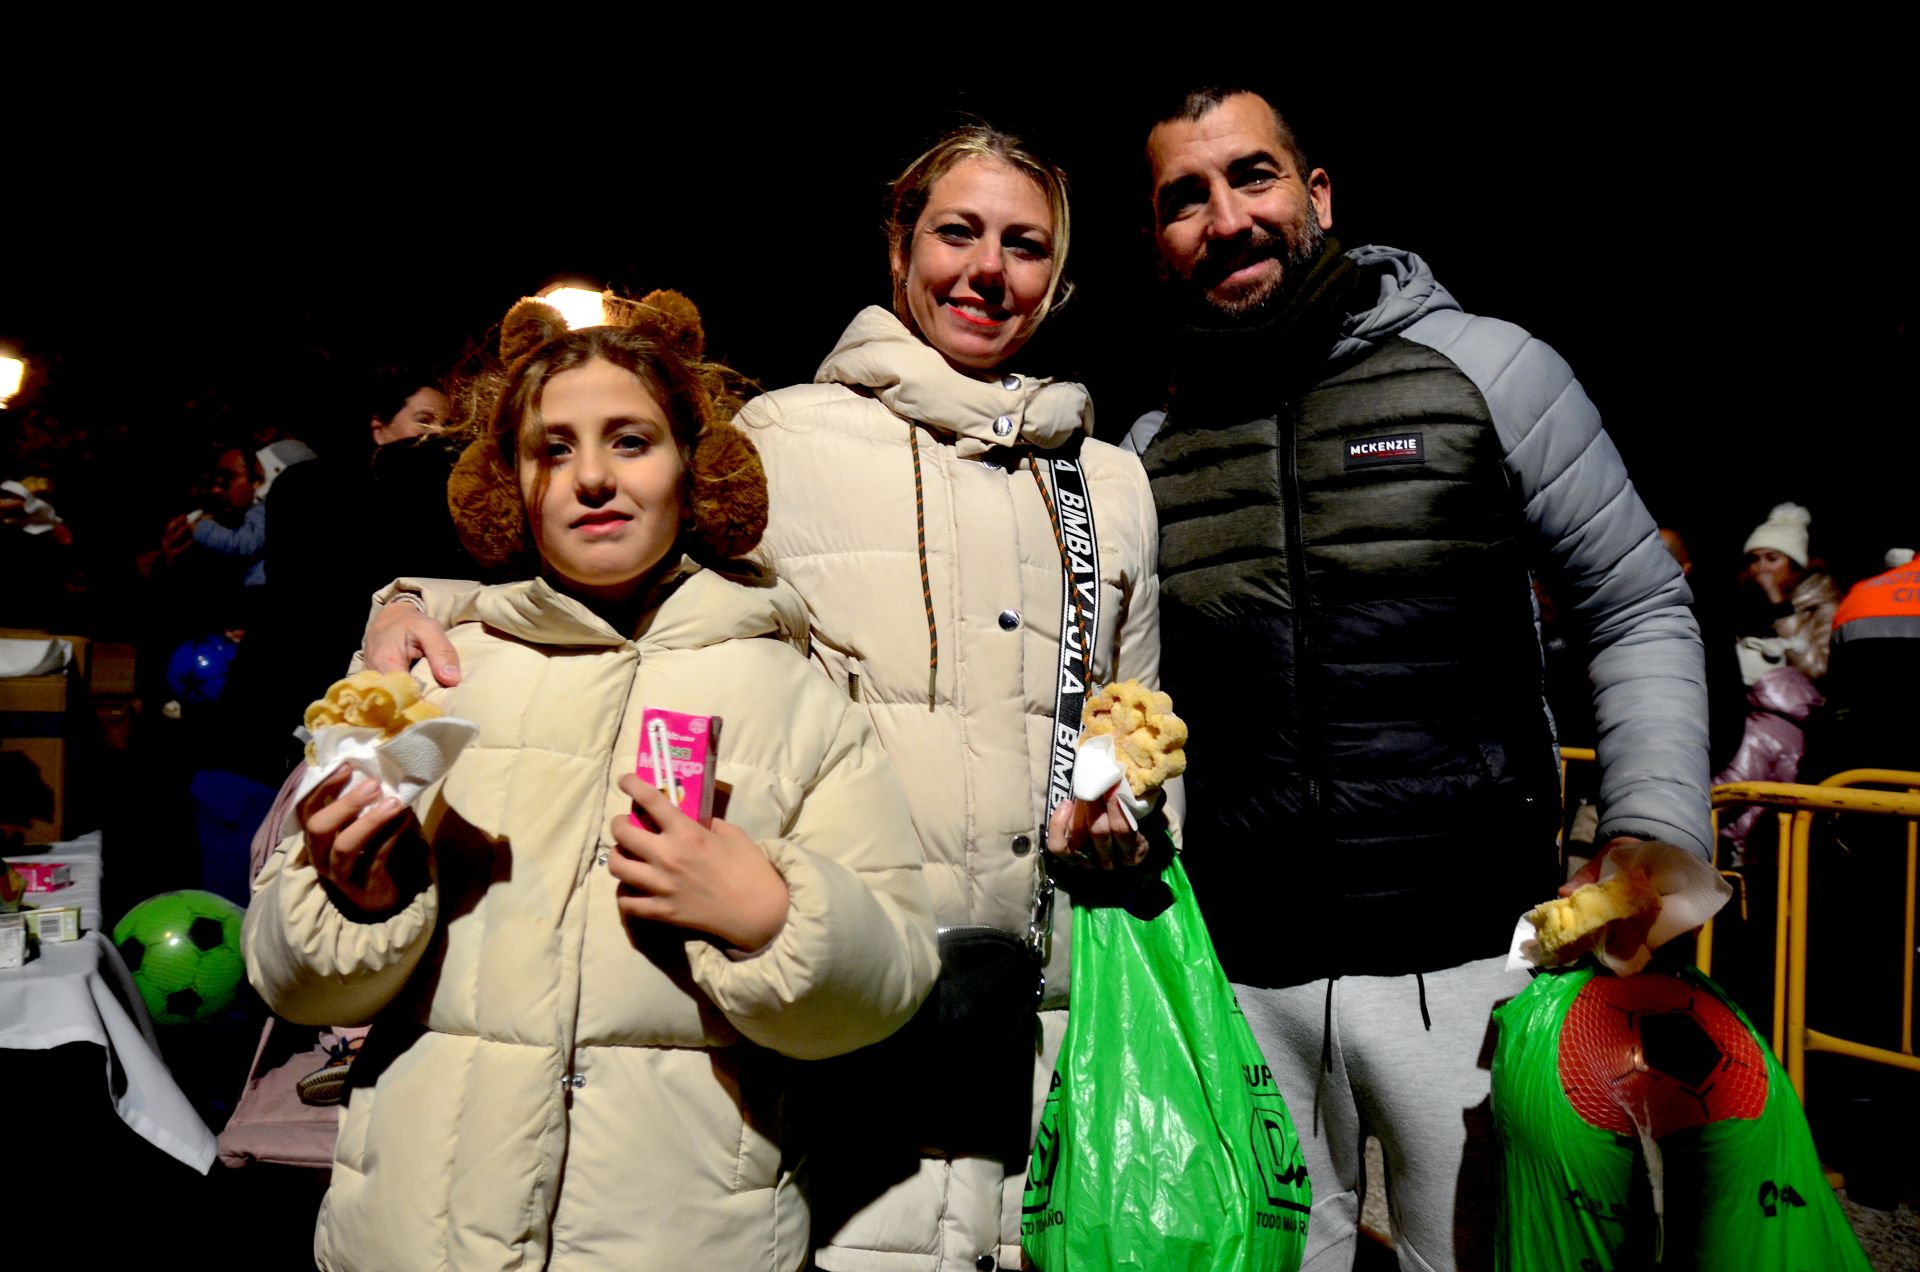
[
  {"x": 580, "y": 986},
  {"x": 659, "y": 341}
]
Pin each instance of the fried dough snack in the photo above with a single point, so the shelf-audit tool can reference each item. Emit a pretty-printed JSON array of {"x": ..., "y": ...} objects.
[
  {"x": 1148, "y": 739},
  {"x": 384, "y": 700},
  {"x": 1569, "y": 921}
]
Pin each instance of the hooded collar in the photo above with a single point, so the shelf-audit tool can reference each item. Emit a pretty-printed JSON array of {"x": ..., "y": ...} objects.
[
  {"x": 1404, "y": 291},
  {"x": 694, "y": 607},
  {"x": 879, "y": 355}
]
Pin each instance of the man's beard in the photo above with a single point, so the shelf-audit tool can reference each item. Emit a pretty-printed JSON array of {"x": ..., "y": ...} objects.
[{"x": 1296, "y": 248}]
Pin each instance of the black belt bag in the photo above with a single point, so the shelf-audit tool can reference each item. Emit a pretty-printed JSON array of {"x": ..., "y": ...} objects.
[{"x": 978, "y": 1039}]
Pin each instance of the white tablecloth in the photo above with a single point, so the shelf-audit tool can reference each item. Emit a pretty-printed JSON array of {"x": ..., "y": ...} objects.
[{"x": 80, "y": 991}]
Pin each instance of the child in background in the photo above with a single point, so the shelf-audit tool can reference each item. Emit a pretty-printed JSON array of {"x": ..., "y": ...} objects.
[
  {"x": 572, "y": 1063},
  {"x": 231, "y": 522}
]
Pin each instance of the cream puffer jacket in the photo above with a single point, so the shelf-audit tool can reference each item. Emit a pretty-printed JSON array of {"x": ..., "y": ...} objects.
[
  {"x": 546, "y": 1084},
  {"x": 841, "y": 529}
]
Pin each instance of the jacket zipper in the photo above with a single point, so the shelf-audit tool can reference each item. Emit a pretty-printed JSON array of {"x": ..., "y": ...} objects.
[{"x": 1288, "y": 441}]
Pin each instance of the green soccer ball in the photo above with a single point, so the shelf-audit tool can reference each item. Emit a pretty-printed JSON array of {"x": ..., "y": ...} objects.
[{"x": 183, "y": 949}]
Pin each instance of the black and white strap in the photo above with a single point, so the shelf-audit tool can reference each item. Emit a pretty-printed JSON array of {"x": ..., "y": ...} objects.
[{"x": 1071, "y": 509}]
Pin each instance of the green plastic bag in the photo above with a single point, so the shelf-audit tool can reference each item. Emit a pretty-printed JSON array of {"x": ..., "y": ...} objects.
[
  {"x": 1164, "y": 1145},
  {"x": 1643, "y": 1123}
]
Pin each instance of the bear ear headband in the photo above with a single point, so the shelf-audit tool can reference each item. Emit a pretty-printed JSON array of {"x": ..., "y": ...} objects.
[
  {"x": 728, "y": 485},
  {"x": 663, "y": 315}
]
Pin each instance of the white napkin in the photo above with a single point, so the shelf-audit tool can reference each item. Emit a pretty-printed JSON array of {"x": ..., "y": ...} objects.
[
  {"x": 1691, "y": 892},
  {"x": 38, "y": 513},
  {"x": 1097, "y": 770},
  {"x": 39, "y": 656},
  {"x": 404, "y": 765}
]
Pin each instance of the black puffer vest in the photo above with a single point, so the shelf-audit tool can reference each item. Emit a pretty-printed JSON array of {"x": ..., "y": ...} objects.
[{"x": 1349, "y": 632}]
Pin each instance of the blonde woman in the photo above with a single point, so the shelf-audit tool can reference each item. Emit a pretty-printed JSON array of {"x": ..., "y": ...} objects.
[{"x": 915, "y": 505}]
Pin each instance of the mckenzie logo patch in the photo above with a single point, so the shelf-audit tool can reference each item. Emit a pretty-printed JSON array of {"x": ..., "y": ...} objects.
[{"x": 1395, "y": 448}]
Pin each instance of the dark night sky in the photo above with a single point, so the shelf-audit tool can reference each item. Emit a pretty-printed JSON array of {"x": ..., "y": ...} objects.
[{"x": 1711, "y": 240}]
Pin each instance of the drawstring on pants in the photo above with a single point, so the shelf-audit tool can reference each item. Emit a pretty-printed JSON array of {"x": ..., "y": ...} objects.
[
  {"x": 1326, "y": 1030},
  {"x": 1425, "y": 1019}
]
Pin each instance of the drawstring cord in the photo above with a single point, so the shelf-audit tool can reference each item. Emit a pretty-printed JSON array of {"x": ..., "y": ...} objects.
[
  {"x": 926, "y": 584},
  {"x": 926, "y": 581},
  {"x": 1326, "y": 1034},
  {"x": 1425, "y": 1019}
]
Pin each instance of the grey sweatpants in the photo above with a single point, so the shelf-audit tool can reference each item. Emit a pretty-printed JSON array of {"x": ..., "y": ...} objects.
[{"x": 1359, "y": 1063}]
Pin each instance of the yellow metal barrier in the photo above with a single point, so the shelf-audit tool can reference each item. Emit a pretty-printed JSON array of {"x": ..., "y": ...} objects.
[
  {"x": 1577, "y": 754},
  {"x": 1842, "y": 793}
]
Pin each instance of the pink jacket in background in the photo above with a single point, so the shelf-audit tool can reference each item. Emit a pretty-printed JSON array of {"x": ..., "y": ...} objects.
[{"x": 1773, "y": 743}]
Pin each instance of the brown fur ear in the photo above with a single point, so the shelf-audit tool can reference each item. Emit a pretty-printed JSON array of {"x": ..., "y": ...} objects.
[
  {"x": 728, "y": 492},
  {"x": 527, "y": 326},
  {"x": 666, "y": 316},
  {"x": 485, "y": 502}
]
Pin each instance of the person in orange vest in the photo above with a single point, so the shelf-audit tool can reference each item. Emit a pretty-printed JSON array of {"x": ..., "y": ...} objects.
[{"x": 1876, "y": 647}]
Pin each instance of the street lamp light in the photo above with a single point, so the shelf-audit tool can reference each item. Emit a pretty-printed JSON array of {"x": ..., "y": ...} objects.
[
  {"x": 12, "y": 372},
  {"x": 580, "y": 306}
]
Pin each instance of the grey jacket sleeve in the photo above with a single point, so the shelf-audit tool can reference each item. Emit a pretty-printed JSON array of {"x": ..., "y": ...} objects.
[{"x": 1610, "y": 572}]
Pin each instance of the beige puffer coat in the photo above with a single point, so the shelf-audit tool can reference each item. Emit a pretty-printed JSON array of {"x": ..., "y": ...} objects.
[
  {"x": 841, "y": 529},
  {"x": 547, "y": 1085}
]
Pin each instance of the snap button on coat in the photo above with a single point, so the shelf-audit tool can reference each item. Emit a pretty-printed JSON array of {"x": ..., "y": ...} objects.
[
  {"x": 1003, "y": 426},
  {"x": 1022, "y": 844},
  {"x": 1009, "y": 619}
]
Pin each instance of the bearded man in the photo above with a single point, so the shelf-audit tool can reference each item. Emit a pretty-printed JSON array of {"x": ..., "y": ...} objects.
[{"x": 1355, "y": 480}]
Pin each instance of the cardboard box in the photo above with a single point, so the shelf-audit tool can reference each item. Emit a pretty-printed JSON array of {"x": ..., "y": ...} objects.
[
  {"x": 37, "y": 725},
  {"x": 53, "y": 922},
  {"x": 677, "y": 754},
  {"x": 13, "y": 940},
  {"x": 110, "y": 671},
  {"x": 44, "y": 876}
]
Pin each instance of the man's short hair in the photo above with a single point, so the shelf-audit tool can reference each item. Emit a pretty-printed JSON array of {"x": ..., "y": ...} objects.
[{"x": 1195, "y": 103}]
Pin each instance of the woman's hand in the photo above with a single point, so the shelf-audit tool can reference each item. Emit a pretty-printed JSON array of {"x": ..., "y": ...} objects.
[
  {"x": 400, "y": 635},
  {"x": 1096, "y": 835},
  {"x": 354, "y": 853},
  {"x": 714, "y": 881}
]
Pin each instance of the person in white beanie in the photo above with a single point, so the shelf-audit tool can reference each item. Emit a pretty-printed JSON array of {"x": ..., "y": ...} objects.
[
  {"x": 1777, "y": 564},
  {"x": 1777, "y": 551}
]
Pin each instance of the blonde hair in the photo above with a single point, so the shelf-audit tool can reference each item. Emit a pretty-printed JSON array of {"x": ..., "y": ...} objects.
[{"x": 908, "y": 195}]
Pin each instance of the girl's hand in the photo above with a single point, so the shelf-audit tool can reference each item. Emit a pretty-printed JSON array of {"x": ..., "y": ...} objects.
[
  {"x": 353, "y": 853},
  {"x": 714, "y": 881},
  {"x": 1096, "y": 835}
]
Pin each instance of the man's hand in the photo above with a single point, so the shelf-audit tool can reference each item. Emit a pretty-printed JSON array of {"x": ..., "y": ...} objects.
[
  {"x": 176, "y": 538},
  {"x": 714, "y": 881},
  {"x": 1590, "y": 873},
  {"x": 400, "y": 635},
  {"x": 1096, "y": 835},
  {"x": 351, "y": 852}
]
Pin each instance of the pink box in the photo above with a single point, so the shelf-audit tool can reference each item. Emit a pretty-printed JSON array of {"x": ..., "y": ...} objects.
[
  {"x": 688, "y": 745},
  {"x": 44, "y": 876}
]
